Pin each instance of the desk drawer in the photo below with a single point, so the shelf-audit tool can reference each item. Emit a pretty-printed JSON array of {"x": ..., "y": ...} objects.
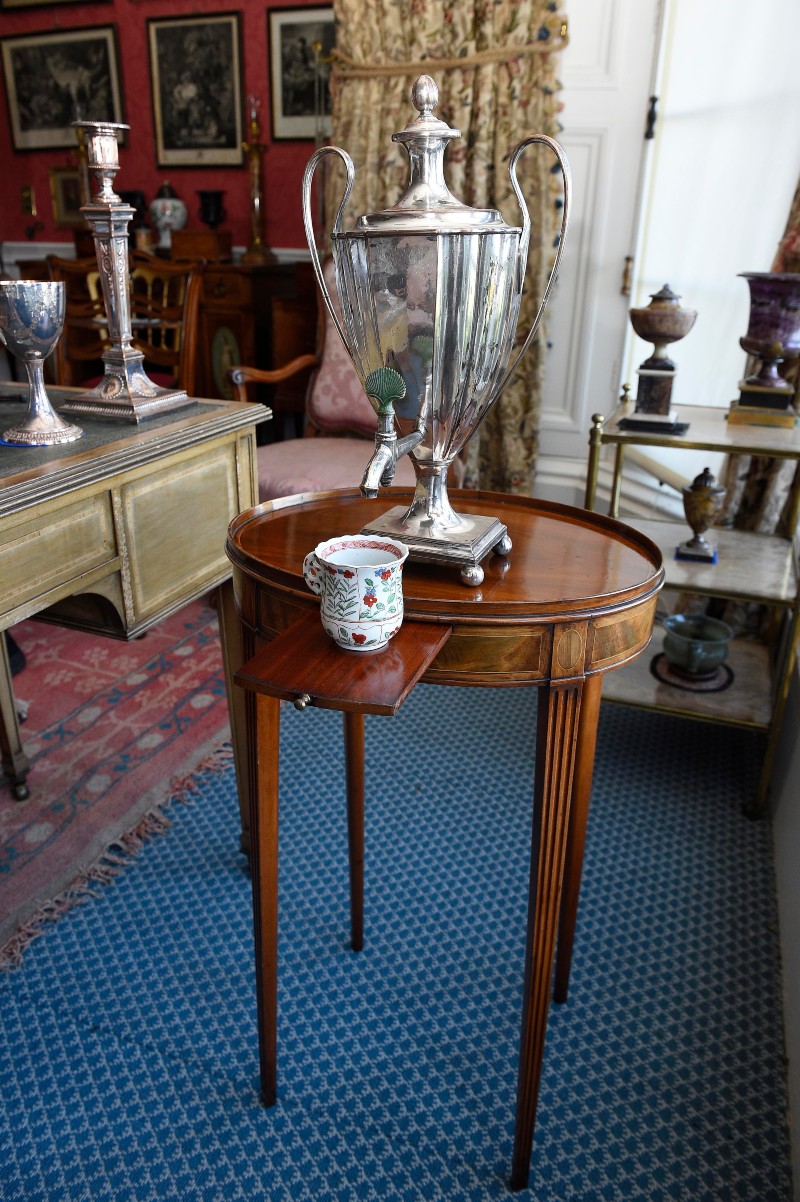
[
  {"x": 47, "y": 555},
  {"x": 226, "y": 289}
]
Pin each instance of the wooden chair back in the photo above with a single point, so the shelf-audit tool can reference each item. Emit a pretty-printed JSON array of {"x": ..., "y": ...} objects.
[
  {"x": 165, "y": 310},
  {"x": 77, "y": 357}
]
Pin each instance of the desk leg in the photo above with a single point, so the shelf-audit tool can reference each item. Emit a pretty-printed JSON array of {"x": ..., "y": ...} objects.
[
  {"x": 354, "y": 762},
  {"x": 556, "y": 750},
  {"x": 264, "y": 868},
  {"x": 578, "y": 818},
  {"x": 13, "y": 758}
]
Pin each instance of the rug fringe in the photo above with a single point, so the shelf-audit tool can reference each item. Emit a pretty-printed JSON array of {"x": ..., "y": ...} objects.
[{"x": 113, "y": 861}]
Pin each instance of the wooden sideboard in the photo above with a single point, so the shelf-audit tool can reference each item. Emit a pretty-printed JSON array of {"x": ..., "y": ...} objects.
[{"x": 238, "y": 323}]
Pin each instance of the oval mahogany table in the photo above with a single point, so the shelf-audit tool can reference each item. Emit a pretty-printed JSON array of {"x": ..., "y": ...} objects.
[{"x": 575, "y": 598}]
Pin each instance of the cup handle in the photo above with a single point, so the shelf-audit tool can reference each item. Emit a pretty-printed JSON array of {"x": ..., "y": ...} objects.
[{"x": 311, "y": 571}]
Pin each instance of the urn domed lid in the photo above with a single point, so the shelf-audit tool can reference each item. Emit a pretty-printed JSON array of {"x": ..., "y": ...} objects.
[
  {"x": 704, "y": 483},
  {"x": 427, "y": 206},
  {"x": 664, "y": 298}
]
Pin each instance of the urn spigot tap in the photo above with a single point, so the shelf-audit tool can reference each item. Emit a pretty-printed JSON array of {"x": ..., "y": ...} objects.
[{"x": 384, "y": 387}]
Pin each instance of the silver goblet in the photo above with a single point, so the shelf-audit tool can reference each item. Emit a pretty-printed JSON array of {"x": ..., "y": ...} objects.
[{"x": 31, "y": 323}]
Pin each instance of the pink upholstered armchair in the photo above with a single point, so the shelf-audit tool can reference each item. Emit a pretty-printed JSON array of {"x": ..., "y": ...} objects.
[{"x": 339, "y": 424}]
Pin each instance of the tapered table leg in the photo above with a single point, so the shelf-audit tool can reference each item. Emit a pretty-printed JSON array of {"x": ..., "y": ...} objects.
[
  {"x": 354, "y": 764},
  {"x": 264, "y": 868},
  {"x": 556, "y": 751},
  {"x": 578, "y": 818},
  {"x": 237, "y": 646}
]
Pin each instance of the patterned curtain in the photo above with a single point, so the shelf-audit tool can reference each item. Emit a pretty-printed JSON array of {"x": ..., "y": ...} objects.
[{"x": 495, "y": 66}]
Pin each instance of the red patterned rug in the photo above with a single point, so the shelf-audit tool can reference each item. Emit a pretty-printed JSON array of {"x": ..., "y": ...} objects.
[{"x": 114, "y": 732}]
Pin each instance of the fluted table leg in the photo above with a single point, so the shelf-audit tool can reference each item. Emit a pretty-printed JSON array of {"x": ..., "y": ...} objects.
[
  {"x": 556, "y": 753},
  {"x": 578, "y": 818}
]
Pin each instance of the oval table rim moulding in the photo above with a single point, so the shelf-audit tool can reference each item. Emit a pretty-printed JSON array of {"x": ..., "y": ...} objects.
[{"x": 430, "y": 593}]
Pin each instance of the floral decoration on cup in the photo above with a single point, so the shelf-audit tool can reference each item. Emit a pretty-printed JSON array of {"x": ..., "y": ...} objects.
[{"x": 359, "y": 581}]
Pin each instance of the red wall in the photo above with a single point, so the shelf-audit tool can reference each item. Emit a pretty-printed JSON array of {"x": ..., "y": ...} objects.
[{"x": 283, "y": 162}]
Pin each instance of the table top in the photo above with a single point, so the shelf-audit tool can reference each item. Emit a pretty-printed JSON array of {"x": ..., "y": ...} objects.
[
  {"x": 709, "y": 430},
  {"x": 29, "y": 475},
  {"x": 565, "y": 562}
]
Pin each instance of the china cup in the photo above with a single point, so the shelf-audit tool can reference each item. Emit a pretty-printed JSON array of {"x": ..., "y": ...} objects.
[{"x": 359, "y": 581}]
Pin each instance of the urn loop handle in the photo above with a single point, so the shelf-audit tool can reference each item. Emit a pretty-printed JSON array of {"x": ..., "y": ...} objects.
[
  {"x": 526, "y": 232},
  {"x": 308, "y": 223}
]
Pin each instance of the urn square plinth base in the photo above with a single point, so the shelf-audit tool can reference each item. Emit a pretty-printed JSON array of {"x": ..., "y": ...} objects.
[{"x": 464, "y": 547}]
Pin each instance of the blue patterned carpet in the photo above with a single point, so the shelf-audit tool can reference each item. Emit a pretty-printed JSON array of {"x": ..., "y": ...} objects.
[{"x": 128, "y": 1066}]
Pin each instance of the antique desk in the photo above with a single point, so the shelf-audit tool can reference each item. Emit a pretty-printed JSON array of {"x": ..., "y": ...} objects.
[
  {"x": 575, "y": 598},
  {"x": 118, "y": 530}
]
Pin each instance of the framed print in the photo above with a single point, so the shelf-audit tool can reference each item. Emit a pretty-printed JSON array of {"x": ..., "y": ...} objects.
[
  {"x": 54, "y": 78},
  {"x": 196, "y": 74},
  {"x": 300, "y": 45},
  {"x": 42, "y": 3},
  {"x": 66, "y": 198}
]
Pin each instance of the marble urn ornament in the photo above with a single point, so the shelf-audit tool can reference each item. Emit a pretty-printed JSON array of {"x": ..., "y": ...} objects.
[
  {"x": 662, "y": 322},
  {"x": 702, "y": 503},
  {"x": 773, "y": 337}
]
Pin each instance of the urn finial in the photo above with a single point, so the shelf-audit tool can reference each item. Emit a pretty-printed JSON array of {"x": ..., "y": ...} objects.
[{"x": 425, "y": 95}]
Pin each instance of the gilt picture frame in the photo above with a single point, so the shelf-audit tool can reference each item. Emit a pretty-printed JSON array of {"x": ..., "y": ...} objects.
[
  {"x": 53, "y": 79},
  {"x": 66, "y": 198},
  {"x": 196, "y": 79},
  {"x": 43, "y": 3},
  {"x": 300, "y": 42}
]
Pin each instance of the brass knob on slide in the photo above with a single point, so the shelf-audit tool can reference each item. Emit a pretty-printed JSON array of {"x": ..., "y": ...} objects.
[{"x": 302, "y": 701}]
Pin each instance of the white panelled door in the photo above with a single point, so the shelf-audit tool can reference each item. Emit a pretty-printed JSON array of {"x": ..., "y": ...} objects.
[{"x": 607, "y": 71}]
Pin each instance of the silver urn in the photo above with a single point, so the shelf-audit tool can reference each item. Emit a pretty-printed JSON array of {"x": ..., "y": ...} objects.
[{"x": 429, "y": 293}]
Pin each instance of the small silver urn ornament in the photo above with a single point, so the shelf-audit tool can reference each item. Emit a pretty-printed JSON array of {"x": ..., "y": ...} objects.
[{"x": 430, "y": 291}]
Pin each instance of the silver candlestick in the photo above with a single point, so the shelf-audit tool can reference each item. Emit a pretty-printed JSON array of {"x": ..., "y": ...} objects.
[
  {"x": 31, "y": 321},
  {"x": 125, "y": 393}
]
